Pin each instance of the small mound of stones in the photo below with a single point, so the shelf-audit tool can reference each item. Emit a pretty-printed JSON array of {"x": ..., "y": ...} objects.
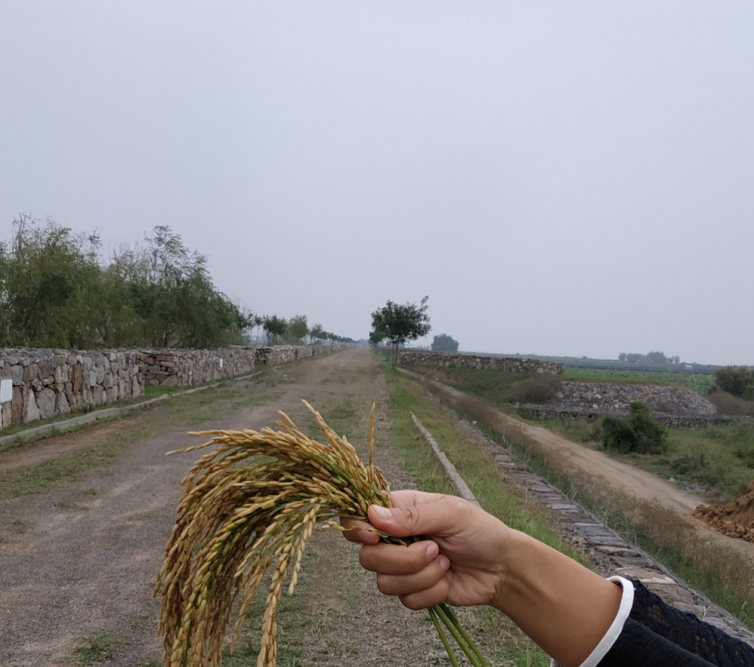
[{"x": 736, "y": 519}]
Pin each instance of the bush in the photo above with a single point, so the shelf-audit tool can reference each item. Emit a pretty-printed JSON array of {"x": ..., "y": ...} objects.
[
  {"x": 727, "y": 404},
  {"x": 534, "y": 390},
  {"x": 637, "y": 432}
]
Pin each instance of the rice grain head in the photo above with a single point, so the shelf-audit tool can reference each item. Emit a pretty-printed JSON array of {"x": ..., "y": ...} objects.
[{"x": 248, "y": 505}]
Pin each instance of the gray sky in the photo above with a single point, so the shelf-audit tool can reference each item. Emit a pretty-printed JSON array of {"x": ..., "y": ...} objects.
[{"x": 570, "y": 178}]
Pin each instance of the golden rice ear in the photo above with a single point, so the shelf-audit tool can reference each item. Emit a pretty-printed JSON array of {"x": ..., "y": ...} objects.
[
  {"x": 239, "y": 515},
  {"x": 370, "y": 435}
]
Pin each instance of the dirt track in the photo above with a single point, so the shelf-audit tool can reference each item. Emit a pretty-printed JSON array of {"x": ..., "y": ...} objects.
[{"x": 82, "y": 559}]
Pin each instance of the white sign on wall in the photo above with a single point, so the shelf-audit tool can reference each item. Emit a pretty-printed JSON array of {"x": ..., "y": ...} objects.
[{"x": 6, "y": 390}]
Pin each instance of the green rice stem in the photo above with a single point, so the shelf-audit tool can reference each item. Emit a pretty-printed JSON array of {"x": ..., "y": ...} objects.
[{"x": 443, "y": 638}]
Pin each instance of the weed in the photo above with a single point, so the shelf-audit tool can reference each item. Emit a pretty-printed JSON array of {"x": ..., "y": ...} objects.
[
  {"x": 155, "y": 390},
  {"x": 727, "y": 404},
  {"x": 153, "y": 661},
  {"x": 98, "y": 647}
]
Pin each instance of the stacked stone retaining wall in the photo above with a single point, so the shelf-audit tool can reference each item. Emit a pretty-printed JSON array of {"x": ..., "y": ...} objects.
[
  {"x": 285, "y": 354},
  {"x": 449, "y": 360},
  {"x": 38, "y": 384}
]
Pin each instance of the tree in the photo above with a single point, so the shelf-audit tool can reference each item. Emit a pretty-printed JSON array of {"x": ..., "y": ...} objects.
[
  {"x": 399, "y": 323},
  {"x": 657, "y": 358},
  {"x": 297, "y": 330},
  {"x": 444, "y": 343},
  {"x": 275, "y": 327},
  {"x": 316, "y": 333},
  {"x": 622, "y": 357},
  {"x": 736, "y": 380}
]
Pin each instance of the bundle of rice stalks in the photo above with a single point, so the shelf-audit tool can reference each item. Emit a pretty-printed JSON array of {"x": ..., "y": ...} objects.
[{"x": 250, "y": 505}]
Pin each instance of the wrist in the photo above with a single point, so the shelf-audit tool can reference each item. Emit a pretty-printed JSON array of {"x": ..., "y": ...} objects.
[{"x": 513, "y": 574}]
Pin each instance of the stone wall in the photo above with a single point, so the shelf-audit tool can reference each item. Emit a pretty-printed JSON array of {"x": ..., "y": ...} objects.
[
  {"x": 451, "y": 360},
  {"x": 37, "y": 384},
  {"x": 285, "y": 354},
  {"x": 187, "y": 368},
  {"x": 677, "y": 407}
]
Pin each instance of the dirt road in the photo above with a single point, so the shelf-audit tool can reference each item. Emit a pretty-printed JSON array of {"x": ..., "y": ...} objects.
[{"x": 82, "y": 559}]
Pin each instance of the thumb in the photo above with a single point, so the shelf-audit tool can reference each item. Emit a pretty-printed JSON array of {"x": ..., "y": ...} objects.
[{"x": 434, "y": 518}]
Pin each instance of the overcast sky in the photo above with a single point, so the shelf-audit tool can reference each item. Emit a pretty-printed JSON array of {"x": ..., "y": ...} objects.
[{"x": 562, "y": 178}]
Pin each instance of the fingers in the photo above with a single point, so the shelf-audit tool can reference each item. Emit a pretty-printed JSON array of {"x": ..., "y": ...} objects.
[
  {"x": 415, "y": 513},
  {"x": 417, "y": 574},
  {"x": 359, "y": 531},
  {"x": 394, "y": 559},
  {"x": 429, "y": 597}
]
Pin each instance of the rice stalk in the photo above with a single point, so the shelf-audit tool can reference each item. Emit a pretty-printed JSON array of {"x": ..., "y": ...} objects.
[{"x": 248, "y": 506}]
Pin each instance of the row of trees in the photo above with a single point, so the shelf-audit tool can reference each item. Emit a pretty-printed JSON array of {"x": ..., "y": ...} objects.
[
  {"x": 651, "y": 358},
  {"x": 57, "y": 291},
  {"x": 295, "y": 331}
]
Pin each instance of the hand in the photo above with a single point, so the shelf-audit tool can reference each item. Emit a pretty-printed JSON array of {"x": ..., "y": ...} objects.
[
  {"x": 460, "y": 561},
  {"x": 471, "y": 558}
]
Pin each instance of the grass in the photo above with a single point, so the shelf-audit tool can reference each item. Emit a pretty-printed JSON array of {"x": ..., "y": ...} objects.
[
  {"x": 718, "y": 459},
  {"x": 697, "y": 382},
  {"x": 188, "y": 410},
  {"x": 51, "y": 474},
  {"x": 499, "y": 387},
  {"x": 156, "y": 390},
  {"x": 153, "y": 661},
  {"x": 98, "y": 647},
  {"x": 727, "y": 404}
]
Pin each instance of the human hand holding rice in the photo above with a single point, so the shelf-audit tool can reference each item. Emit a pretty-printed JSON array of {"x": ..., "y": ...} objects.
[{"x": 239, "y": 516}]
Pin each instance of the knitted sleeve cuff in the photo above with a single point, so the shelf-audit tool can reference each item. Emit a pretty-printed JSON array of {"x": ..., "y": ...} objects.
[{"x": 616, "y": 627}]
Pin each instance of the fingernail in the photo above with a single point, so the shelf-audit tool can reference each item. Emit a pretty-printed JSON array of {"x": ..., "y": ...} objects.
[
  {"x": 444, "y": 563},
  {"x": 432, "y": 550},
  {"x": 382, "y": 512}
]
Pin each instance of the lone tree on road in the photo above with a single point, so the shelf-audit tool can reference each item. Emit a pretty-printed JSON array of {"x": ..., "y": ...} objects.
[
  {"x": 444, "y": 343},
  {"x": 399, "y": 323}
]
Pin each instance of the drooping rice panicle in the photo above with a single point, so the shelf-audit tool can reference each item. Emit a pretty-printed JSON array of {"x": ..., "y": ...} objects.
[{"x": 247, "y": 506}]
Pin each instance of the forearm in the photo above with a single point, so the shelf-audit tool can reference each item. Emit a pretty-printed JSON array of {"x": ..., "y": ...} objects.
[{"x": 564, "y": 607}]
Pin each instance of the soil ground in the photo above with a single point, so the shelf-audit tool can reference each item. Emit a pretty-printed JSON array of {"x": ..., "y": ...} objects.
[{"x": 82, "y": 558}]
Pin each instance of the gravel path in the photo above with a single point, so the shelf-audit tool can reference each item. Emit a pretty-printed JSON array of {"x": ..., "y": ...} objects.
[{"x": 82, "y": 559}]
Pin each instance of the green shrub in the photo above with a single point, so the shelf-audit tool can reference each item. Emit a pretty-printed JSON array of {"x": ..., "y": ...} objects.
[{"x": 637, "y": 432}]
